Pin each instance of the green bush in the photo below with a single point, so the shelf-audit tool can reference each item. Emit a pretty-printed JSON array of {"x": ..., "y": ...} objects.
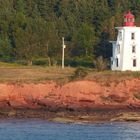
[
  {"x": 41, "y": 61},
  {"x": 79, "y": 62},
  {"x": 21, "y": 62},
  {"x": 79, "y": 73},
  {"x": 100, "y": 63}
]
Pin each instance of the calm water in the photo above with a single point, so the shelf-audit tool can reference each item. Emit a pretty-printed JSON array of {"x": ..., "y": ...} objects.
[{"x": 43, "y": 130}]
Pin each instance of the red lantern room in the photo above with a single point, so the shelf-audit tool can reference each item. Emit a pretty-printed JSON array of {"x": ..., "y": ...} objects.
[{"x": 129, "y": 19}]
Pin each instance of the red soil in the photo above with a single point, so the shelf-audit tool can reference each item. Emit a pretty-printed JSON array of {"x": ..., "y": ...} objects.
[{"x": 78, "y": 95}]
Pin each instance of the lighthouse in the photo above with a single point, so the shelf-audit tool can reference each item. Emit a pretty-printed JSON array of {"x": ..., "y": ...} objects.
[{"x": 126, "y": 49}]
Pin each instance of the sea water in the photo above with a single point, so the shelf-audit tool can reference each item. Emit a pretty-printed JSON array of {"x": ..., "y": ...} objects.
[{"x": 44, "y": 130}]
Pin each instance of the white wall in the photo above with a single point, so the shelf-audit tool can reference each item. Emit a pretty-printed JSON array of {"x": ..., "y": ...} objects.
[{"x": 126, "y": 56}]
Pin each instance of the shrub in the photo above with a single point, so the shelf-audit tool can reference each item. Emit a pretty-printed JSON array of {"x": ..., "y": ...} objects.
[
  {"x": 22, "y": 62},
  {"x": 78, "y": 62},
  {"x": 79, "y": 73},
  {"x": 41, "y": 61},
  {"x": 100, "y": 63}
]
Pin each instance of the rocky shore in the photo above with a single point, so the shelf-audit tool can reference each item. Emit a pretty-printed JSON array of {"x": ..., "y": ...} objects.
[
  {"x": 72, "y": 117},
  {"x": 77, "y": 101}
]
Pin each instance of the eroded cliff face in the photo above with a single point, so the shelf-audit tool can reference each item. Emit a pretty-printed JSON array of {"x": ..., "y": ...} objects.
[{"x": 77, "y": 95}]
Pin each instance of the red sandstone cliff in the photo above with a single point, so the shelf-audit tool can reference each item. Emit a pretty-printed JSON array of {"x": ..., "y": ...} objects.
[{"x": 78, "y": 95}]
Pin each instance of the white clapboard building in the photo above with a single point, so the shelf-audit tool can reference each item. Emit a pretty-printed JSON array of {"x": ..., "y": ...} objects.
[{"x": 126, "y": 50}]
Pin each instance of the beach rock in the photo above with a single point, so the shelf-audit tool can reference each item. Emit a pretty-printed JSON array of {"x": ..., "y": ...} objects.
[{"x": 76, "y": 95}]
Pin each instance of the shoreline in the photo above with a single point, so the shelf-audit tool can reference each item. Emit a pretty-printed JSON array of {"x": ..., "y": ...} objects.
[
  {"x": 97, "y": 116},
  {"x": 82, "y": 101}
]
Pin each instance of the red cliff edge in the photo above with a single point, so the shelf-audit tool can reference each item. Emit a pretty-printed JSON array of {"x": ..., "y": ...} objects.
[{"x": 73, "y": 96}]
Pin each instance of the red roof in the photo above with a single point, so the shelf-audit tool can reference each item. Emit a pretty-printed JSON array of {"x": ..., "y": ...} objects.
[
  {"x": 129, "y": 19},
  {"x": 129, "y": 15}
]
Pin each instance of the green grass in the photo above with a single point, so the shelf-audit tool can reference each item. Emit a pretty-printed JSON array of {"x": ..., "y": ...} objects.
[
  {"x": 18, "y": 73},
  {"x": 13, "y": 72},
  {"x": 4, "y": 64},
  {"x": 112, "y": 76}
]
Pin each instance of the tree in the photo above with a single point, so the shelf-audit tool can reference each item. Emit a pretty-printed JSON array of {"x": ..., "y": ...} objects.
[
  {"x": 33, "y": 28},
  {"x": 85, "y": 39}
]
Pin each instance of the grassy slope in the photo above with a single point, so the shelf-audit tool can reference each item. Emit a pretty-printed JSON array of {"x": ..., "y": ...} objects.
[{"x": 19, "y": 73}]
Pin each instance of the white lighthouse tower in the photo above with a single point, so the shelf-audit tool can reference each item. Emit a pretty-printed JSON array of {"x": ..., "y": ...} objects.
[{"x": 126, "y": 50}]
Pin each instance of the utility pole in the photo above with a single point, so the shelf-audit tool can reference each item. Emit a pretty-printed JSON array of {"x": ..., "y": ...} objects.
[{"x": 63, "y": 53}]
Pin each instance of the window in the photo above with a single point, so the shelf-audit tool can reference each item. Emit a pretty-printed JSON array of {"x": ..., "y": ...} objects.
[
  {"x": 120, "y": 36},
  {"x": 133, "y": 49},
  {"x": 134, "y": 63},
  {"x": 125, "y": 20},
  {"x": 118, "y": 48},
  {"x": 117, "y": 62},
  {"x": 111, "y": 62},
  {"x": 132, "y": 36},
  {"x": 131, "y": 19}
]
